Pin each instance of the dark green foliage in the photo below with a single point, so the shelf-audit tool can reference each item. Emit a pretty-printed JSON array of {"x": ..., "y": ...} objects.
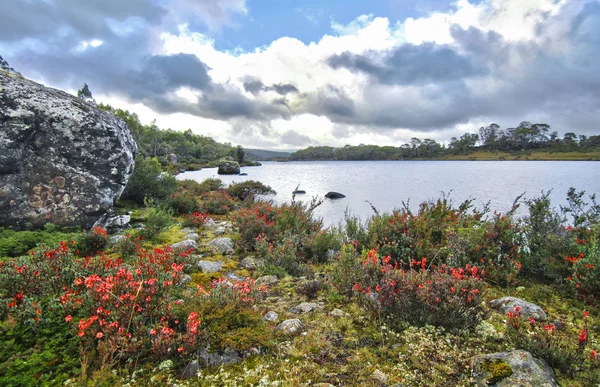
[
  {"x": 183, "y": 203},
  {"x": 14, "y": 243},
  {"x": 217, "y": 203},
  {"x": 200, "y": 188},
  {"x": 157, "y": 221},
  {"x": 248, "y": 189},
  {"x": 149, "y": 181},
  {"x": 91, "y": 242}
]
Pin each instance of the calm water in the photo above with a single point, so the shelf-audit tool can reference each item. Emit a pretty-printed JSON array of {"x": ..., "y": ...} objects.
[{"x": 387, "y": 184}]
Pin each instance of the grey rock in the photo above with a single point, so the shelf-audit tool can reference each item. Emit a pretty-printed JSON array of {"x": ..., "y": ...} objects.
[
  {"x": 113, "y": 224},
  {"x": 220, "y": 231},
  {"x": 527, "y": 371},
  {"x": 185, "y": 279},
  {"x": 222, "y": 245},
  {"x": 299, "y": 192},
  {"x": 334, "y": 195},
  {"x": 116, "y": 239},
  {"x": 192, "y": 237},
  {"x": 290, "y": 326},
  {"x": 210, "y": 267},
  {"x": 250, "y": 263},
  {"x": 231, "y": 275},
  {"x": 337, "y": 313},
  {"x": 209, "y": 223},
  {"x": 267, "y": 280},
  {"x": 187, "y": 230},
  {"x": 271, "y": 316},
  {"x": 306, "y": 307},
  {"x": 172, "y": 158},
  {"x": 185, "y": 245},
  {"x": 190, "y": 371},
  {"x": 508, "y": 304},
  {"x": 228, "y": 167},
  {"x": 379, "y": 376},
  {"x": 62, "y": 160},
  {"x": 219, "y": 359}
]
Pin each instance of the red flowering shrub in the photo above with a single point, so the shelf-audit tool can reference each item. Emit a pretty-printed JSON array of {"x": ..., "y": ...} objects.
[
  {"x": 183, "y": 202},
  {"x": 420, "y": 294},
  {"x": 216, "y": 202},
  {"x": 91, "y": 242},
  {"x": 253, "y": 222},
  {"x": 561, "y": 349},
  {"x": 196, "y": 220},
  {"x": 585, "y": 264}
]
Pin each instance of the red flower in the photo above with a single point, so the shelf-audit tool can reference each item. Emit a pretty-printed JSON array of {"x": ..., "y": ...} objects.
[
  {"x": 583, "y": 336},
  {"x": 68, "y": 318},
  {"x": 593, "y": 355}
]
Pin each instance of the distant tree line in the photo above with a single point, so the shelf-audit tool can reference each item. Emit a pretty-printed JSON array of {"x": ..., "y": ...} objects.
[{"x": 525, "y": 137}]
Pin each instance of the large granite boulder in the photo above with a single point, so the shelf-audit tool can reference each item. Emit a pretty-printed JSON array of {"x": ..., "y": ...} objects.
[
  {"x": 228, "y": 167},
  {"x": 62, "y": 160},
  {"x": 515, "y": 368}
]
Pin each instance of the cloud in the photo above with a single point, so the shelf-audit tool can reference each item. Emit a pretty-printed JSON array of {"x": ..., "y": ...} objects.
[{"x": 373, "y": 80}]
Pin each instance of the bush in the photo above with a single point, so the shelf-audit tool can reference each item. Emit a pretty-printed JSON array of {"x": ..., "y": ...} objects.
[
  {"x": 248, "y": 189},
  {"x": 217, "y": 203},
  {"x": 586, "y": 263},
  {"x": 14, "y": 243},
  {"x": 92, "y": 242},
  {"x": 195, "y": 220},
  {"x": 157, "y": 221},
  {"x": 258, "y": 220},
  {"x": 184, "y": 202},
  {"x": 149, "y": 181},
  {"x": 446, "y": 297},
  {"x": 207, "y": 185},
  {"x": 347, "y": 270}
]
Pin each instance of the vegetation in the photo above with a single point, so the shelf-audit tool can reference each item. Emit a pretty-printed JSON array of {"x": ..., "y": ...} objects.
[
  {"x": 525, "y": 142},
  {"x": 413, "y": 289}
]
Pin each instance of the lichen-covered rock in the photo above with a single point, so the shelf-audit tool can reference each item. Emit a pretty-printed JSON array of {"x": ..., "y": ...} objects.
[
  {"x": 516, "y": 368},
  {"x": 250, "y": 263},
  {"x": 271, "y": 316},
  {"x": 192, "y": 236},
  {"x": 222, "y": 245},
  {"x": 62, "y": 160},
  {"x": 228, "y": 167},
  {"x": 267, "y": 280},
  {"x": 185, "y": 245},
  {"x": 209, "y": 266},
  {"x": 190, "y": 371},
  {"x": 527, "y": 309},
  {"x": 219, "y": 359},
  {"x": 306, "y": 307},
  {"x": 290, "y": 326},
  {"x": 337, "y": 313}
]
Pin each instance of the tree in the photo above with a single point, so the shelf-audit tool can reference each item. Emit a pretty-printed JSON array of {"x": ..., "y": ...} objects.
[
  {"x": 85, "y": 94},
  {"x": 240, "y": 154}
]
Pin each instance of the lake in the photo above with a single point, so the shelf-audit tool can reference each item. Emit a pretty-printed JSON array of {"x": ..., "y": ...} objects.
[{"x": 386, "y": 184}]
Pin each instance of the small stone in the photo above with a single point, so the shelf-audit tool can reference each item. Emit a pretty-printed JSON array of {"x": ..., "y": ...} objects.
[
  {"x": 289, "y": 326},
  {"x": 116, "y": 239},
  {"x": 267, "y": 280},
  {"x": 209, "y": 223},
  {"x": 271, "y": 316},
  {"x": 379, "y": 376},
  {"x": 185, "y": 245},
  {"x": 209, "y": 266},
  {"x": 192, "y": 237},
  {"x": 219, "y": 359},
  {"x": 306, "y": 307},
  {"x": 187, "y": 230},
  {"x": 220, "y": 231},
  {"x": 185, "y": 279},
  {"x": 337, "y": 313},
  {"x": 250, "y": 263},
  {"x": 222, "y": 245},
  {"x": 190, "y": 371}
]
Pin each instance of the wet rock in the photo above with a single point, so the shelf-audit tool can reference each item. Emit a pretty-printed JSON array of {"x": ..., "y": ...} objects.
[
  {"x": 267, "y": 280},
  {"x": 290, "y": 326},
  {"x": 299, "y": 192},
  {"x": 516, "y": 368},
  {"x": 306, "y": 307},
  {"x": 62, "y": 160},
  {"x": 222, "y": 245},
  {"x": 185, "y": 245},
  {"x": 508, "y": 304},
  {"x": 334, "y": 195},
  {"x": 228, "y": 167},
  {"x": 271, "y": 316},
  {"x": 210, "y": 267}
]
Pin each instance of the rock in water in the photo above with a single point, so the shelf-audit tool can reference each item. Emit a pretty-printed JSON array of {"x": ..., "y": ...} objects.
[
  {"x": 62, "y": 160},
  {"x": 228, "y": 167},
  {"x": 334, "y": 195}
]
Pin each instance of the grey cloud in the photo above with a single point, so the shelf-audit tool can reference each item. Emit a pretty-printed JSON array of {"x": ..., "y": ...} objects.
[
  {"x": 294, "y": 138},
  {"x": 409, "y": 64},
  {"x": 254, "y": 87}
]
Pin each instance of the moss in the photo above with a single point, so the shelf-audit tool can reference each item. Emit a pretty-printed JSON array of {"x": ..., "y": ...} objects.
[{"x": 497, "y": 369}]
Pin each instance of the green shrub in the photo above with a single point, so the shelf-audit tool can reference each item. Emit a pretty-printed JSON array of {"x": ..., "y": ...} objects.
[
  {"x": 207, "y": 185},
  {"x": 586, "y": 263},
  {"x": 248, "y": 189},
  {"x": 347, "y": 270},
  {"x": 149, "y": 181},
  {"x": 183, "y": 203},
  {"x": 157, "y": 221},
  {"x": 14, "y": 243}
]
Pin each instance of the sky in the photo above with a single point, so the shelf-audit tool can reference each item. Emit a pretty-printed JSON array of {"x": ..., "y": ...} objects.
[{"x": 287, "y": 74}]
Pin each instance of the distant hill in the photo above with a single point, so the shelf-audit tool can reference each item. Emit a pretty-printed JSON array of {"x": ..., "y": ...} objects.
[{"x": 262, "y": 155}]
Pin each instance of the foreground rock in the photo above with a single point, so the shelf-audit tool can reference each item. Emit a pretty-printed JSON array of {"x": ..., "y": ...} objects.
[
  {"x": 334, "y": 195},
  {"x": 62, "y": 160},
  {"x": 209, "y": 266},
  {"x": 185, "y": 245},
  {"x": 508, "y": 304},
  {"x": 290, "y": 326},
  {"x": 228, "y": 167},
  {"x": 306, "y": 307},
  {"x": 516, "y": 368},
  {"x": 250, "y": 263},
  {"x": 222, "y": 245}
]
